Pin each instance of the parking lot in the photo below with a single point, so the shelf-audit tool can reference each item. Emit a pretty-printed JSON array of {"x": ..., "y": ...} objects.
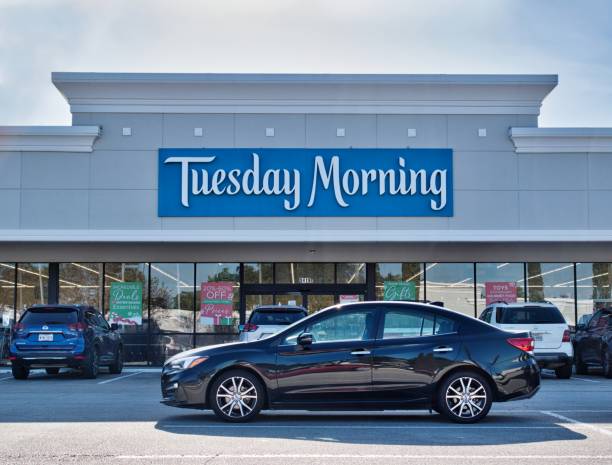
[{"x": 118, "y": 419}]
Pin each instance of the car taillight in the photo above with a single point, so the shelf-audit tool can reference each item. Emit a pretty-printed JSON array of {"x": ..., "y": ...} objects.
[
  {"x": 523, "y": 343},
  {"x": 249, "y": 327},
  {"x": 566, "y": 336},
  {"x": 18, "y": 326},
  {"x": 80, "y": 327}
]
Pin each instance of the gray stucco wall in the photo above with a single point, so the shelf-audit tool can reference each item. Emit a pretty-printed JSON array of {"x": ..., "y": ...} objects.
[{"x": 115, "y": 186}]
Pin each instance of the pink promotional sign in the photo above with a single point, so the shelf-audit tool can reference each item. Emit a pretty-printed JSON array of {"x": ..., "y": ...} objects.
[
  {"x": 349, "y": 298},
  {"x": 216, "y": 303},
  {"x": 500, "y": 292}
]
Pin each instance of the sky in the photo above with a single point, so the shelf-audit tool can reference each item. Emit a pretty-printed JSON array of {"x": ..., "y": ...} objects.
[{"x": 570, "y": 38}]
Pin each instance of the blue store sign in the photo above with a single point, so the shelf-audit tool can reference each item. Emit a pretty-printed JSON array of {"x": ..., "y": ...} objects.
[{"x": 305, "y": 182}]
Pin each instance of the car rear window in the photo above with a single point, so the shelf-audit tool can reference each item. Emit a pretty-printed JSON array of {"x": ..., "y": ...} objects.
[
  {"x": 531, "y": 315},
  {"x": 275, "y": 317},
  {"x": 49, "y": 316}
]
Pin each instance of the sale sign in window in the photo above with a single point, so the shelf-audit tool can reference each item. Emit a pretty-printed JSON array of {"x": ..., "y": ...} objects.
[
  {"x": 216, "y": 303},
  {"x": 500, "y": 292},
  {"x": 125, "y": 306}
]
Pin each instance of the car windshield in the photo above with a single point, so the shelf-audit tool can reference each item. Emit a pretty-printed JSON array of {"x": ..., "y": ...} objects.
[
  {"x": 275, "y": 317},
  {"x": 531, "y": 315},
  {"x": 49, "y": 316}
]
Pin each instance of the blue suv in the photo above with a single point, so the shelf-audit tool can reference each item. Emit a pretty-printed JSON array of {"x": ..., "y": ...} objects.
[{"x": 64, "y": 336}]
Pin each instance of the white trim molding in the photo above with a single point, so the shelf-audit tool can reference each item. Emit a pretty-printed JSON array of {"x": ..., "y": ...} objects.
[
  {"x": 48, "y": 138},
  {"x": 561, "y": 140},
  {"x": 384, "y": 236},
  {"x": 304, "y": 93}
]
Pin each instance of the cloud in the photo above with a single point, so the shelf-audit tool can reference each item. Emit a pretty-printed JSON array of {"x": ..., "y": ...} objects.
[{"x": 437, "y": 36}]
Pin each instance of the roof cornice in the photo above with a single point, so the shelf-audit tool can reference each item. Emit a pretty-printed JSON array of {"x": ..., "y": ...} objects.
[
  {"x": 304, "y": 93},
  {"x": 48, "y": 138},
  {"x": 561, "y": 140}
]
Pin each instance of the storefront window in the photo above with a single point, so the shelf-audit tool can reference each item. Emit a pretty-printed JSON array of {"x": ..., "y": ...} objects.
[
  {"x": 499, "y": 282},
  {"x": 219, "y": 312},
  {"x": 593, "y": 282},
  {"x": 318, "y": 302},
  {"x": 80, "y": 283},
  {"x": 7, "y": 307},
  {"x": 172, "y": 297},
  {"x": 305, "y": 273},
  {"x": 351, "y": 273},
  {"x": 399, "y": 272},
  {"x": 164, "y": 346},
  {"x": 258, "y": 273},
  {"x": 252, "y": 301},
  {"x": 7, "y": 297},
  {"x": 293, "y": 298},
  {"x": 129, "y": 285},
  {"x": 32, "y": 285},
  {"x": 452, "y": 284},
  {"x": 552, "y": 282}
]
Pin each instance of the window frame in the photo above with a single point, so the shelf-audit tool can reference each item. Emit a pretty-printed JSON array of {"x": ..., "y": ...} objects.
[
  {"x": 301, "y": 328},
  {"x": 383, "y": 314},
  {"x": 486, "y": 315}
]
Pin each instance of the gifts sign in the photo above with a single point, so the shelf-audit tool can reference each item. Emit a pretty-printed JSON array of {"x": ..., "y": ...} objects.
[{"x": 216, "y": 303}]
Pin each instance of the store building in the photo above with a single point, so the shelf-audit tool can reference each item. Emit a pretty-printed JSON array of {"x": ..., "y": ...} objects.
[{"x": 310, "y": 189}]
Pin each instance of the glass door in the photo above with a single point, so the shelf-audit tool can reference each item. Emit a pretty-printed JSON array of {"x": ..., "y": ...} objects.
[
  {"x": 289, "y": 298},
  {"x": 316, "y": 302}
]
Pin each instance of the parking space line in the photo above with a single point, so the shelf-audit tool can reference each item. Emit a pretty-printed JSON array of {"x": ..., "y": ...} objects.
[
  {"x": 360, "y": 456},
  {"x": 587, "y": 380},
  {"x": 367, "y": 427},
  {"x": 120, "y": 377},
  {"x": 578, "y": 423}
]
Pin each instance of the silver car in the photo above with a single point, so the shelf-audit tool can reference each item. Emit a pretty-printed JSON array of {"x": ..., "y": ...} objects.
[{"x": 268, "y": 320}]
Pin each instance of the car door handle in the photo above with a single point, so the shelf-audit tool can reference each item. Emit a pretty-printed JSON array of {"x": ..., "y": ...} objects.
[
  {"x": 360, "y": 352},
  {"x": 443, "y": 349}
]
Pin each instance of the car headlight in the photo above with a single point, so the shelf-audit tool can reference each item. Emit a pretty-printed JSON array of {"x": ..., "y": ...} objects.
[{"x": 187, "y": 362}]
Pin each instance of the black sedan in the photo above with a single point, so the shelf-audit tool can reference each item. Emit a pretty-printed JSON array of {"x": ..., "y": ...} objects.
[{"x": 361, "y": 356}]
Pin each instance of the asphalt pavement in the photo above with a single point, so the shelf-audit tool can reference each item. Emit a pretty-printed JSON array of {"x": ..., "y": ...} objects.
[{"x": 118, "y": 419}]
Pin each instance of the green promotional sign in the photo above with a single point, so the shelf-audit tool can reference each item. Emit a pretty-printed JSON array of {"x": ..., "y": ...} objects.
[
  {"x": 126, "y": 303},
  {"x": 399, "y": 290}
]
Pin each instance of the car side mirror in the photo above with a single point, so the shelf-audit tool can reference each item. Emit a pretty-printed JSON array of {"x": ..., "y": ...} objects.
[
  {"x": 580, "y": 327},
  {"x": 305, "y": 339},
  {"x": 114, "y": 327}
]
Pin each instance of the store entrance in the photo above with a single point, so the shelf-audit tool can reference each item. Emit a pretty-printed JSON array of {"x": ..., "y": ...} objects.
[
  {"x": 312, "y": 285},
  {"x": 311, "y": 299}
]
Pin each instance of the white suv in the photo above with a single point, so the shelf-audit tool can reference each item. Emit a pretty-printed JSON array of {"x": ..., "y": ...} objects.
[
  {"x": 551, "y": 333},
  {"x": 268, "y": 320}
]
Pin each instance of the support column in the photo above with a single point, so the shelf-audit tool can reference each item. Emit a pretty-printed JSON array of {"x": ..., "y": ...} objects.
[
  {"x": 370, "y": 281},
  {"x": 53, "y": 291}
]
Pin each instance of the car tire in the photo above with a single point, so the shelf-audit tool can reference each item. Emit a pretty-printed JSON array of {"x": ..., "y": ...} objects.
[
  {"x": 92, "y": 364},
  {"x": 246, "y": 405},
  {"x": 52, "y": 371},
  {"x": 581, "y": 368},
  {"x": 564, "y": 372},
  {"x": 117, "y": 366},
  {"x": 20, "y": 372},
  {"x": 606, "y": 362},
  {"x": 450, "y": 400}
]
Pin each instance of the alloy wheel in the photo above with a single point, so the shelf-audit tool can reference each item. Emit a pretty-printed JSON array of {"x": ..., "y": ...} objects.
[
  {"x": 466, "y": 397},
  {"x": 236, "y": 397}
]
